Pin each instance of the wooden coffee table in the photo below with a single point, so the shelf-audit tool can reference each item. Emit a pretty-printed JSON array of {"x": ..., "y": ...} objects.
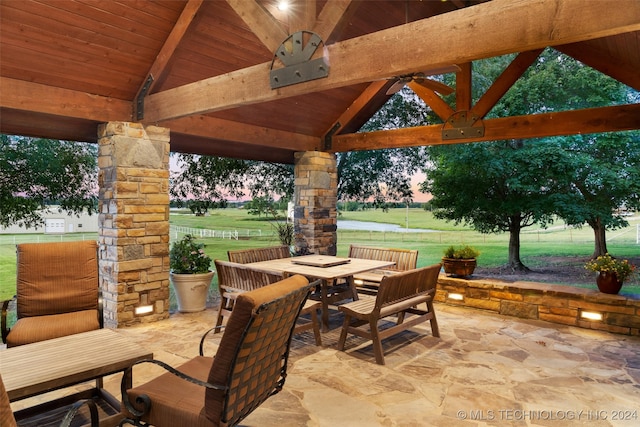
[{"x": 32, "y": 369}]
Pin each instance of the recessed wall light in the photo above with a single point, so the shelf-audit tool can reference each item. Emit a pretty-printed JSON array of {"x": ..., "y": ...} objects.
[
  {"x": 455, "y": 296},
  {"x": 591, "y": 315},
  {"x": 143, "y": 309}
]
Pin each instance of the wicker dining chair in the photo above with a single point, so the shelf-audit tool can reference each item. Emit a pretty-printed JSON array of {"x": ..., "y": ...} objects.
[
  {"x": 245, "y": 256},
  {"x": 250, "y": 366},
  {"x": 234, "y": 279}
]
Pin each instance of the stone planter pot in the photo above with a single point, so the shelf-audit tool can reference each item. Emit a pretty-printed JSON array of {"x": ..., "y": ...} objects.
[
  {"x": 608, "y": 282},
  {"x": 191, "y": 290},
  {"x": 459, "y": 267}
]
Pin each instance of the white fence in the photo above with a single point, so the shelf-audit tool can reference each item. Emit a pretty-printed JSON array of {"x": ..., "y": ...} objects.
[{"x": 176, "y": 231}]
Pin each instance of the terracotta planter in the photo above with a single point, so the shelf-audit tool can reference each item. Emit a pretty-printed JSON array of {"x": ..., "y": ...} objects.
[
  {"x": 191, "y": 290},
  {"x": 459, "y": 267},
  {"x": 608, "y": 282}
]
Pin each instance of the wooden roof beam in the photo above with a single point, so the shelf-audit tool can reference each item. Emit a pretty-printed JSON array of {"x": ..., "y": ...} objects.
[
  {"x": 365, "y": 97},
  {"x": 263, "y": 24},
  {"x": 205, "y": 126},
  {"x": 358, "y": 60},
  {"x": 38, "y": 98},
  {"x": 433, "y": 100},
  {"x": 330, "y": 17},
  {"x": 593, "y": 120},
  {"x": 160, "y": 65},
  {"x": 503, "y": 83}
]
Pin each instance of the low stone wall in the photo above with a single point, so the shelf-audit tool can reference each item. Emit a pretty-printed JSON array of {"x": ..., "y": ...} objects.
[{"x": 552, "y": 303}]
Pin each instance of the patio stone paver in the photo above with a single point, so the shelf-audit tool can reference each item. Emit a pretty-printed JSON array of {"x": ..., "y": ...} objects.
[{"x": 485, "y": 370}]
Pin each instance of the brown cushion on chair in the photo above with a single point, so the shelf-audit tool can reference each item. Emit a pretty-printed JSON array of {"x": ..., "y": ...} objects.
[
  {"x": 33, "y": 329},
  {"x": 176, "y": 402},
  {"x": 43, "y": 287},
  {"x": 245, "y": 305}
]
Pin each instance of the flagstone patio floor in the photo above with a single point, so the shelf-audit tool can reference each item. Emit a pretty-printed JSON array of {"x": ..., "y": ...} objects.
[{"x": 484, "y": 370}]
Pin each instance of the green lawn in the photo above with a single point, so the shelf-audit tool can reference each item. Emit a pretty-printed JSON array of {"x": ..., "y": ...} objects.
[{"x": 558, "y": 240}]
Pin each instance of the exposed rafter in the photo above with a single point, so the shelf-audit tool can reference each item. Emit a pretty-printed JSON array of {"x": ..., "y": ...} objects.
[
  {"x": 544, "y": 23},
  {"x": 20, "y": 95},
  {"x": 593, "y": 120},
  {"x": 502, "y": 84},
  {"x": 157, "y": 71},
  {"x": 263, "y": 24}
]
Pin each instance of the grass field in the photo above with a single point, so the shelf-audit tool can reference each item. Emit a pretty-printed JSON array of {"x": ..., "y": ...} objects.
[{"x": 557, "y": 240}]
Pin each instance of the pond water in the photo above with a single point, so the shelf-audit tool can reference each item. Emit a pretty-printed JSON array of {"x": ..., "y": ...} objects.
[{"x": 378, "y": 226}]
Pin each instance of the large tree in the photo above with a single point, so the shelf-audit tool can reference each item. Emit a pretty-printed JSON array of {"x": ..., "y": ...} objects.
[
  {"x": 508, "y": 185},
  {"x": 604, "y": 177},
  {"x": 35, "y": 173},
  {"x": 495, "y": 187}
]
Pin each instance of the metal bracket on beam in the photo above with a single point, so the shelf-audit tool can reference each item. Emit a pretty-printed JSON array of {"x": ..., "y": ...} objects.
[
  {"x": 462, "y": 125},
  {"x": 139, "y": 105},
  {"x": 329, "y": 136},
  {"x": 296, "y": 57}
]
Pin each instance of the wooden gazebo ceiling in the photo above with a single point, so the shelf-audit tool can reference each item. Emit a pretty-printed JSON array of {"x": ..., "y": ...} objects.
[{"x": 68, "y": 65}]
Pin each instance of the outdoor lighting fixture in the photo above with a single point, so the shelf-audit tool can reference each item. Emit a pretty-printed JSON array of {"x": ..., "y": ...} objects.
[
  {"x": 283, "y": 5},
  {"x": 143, "y": 309},
  {"x": 591, "y": 315},
  {"x": 456, "y": 297}
]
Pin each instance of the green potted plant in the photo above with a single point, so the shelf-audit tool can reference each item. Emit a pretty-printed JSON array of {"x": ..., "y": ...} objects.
[
  {"x": 460, "y": 260},
  {"x": 190, "y": 274},
  {"x": 611, "y": 272}
]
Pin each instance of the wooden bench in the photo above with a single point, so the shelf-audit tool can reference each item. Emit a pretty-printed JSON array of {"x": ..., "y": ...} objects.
[
  {"x": 245, "y": 256},
  {"x": 398, "y": 295},
  {"x": 235, "y": 279},
  {"x": 367, "y": 283}
]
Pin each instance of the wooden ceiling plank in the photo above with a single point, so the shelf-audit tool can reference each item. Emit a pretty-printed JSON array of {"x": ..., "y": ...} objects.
[
  {"x": 615, "y": 67},
  {"x": 20, "y": 95},
  {"x": 464, "y": 87},
  {"x": 204, "y": 126},
  {"x": 358, "y": 104},
  {"x": 164, "y": 57},
  {"x": 593, "y": 120},
  {"x": 373, "y": 56},
  {"x": 503, "y": 83},
  {"x": 263, "y": 24},
  {"x": 433, "y": 100}
]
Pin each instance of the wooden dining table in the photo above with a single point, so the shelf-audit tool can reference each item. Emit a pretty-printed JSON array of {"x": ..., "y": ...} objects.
[
  {"x": 329, "y": 269},
  {"x": 33, "y": 369}
]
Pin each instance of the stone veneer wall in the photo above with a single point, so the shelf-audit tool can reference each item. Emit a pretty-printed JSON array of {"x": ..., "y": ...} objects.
[
  {"x": 315, "y": 198},
  {"x": 133, "y": 221},
  {"x": 552, "y": 303}
]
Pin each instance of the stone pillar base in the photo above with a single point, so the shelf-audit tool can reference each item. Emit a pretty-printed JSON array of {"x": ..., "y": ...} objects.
[{"x": 134, "y": 222}]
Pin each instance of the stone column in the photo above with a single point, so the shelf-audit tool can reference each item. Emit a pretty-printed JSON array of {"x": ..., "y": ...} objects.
[
  {"x": 134, "y": 222},
  {"x": 315, "y": 198}
]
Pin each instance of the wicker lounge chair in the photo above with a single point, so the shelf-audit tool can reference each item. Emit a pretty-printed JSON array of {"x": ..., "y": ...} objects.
[
  {"x": 249, "y": 366},
  {"x": 57, "y": 292},
  {"x": 398, "y": 295}
]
